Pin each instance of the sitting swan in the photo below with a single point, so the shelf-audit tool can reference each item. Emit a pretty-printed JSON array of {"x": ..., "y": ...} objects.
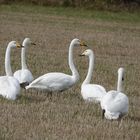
[
  {"x": 115, "y": 104},
  {"x": 24, "y": 76},
  {"x": 9, "y": 86},
  {"x": 91, "y": 92},
  {"x": 56, "y": 81}
]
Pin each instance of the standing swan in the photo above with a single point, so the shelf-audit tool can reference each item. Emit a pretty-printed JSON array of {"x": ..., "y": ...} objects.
[
  {"x": 56, "y": 81},
  {"x": 91, "y": 92},
  {"x": 24, "y": 76},
  {"x": 115, "y": 104},
  {"x": 9, "y": 86}
]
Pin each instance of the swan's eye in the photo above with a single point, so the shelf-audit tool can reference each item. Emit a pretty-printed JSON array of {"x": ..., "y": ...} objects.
[{"x": 122, "y": 78}]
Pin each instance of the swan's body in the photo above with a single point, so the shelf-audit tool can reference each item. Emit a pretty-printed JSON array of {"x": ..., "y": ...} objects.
[
  {"x": 91, "y": 92},
  {"x": 56, "y": 81},
  {"x": 53, "y": 82},
  {"x": 9, "y": 86},
  {"x": 115, "y": 104},
  {"x": 24, "y": 76}
]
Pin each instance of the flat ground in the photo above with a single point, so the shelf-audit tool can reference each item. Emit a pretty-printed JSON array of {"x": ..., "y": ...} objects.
[{"x": 115, "y": 40}]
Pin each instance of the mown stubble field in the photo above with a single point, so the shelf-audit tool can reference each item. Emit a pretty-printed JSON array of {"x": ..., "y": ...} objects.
[{"x": 34, "y": 116}]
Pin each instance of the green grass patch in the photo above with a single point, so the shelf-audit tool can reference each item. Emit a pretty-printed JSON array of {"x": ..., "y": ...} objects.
[{"x": 73, "y": 12}]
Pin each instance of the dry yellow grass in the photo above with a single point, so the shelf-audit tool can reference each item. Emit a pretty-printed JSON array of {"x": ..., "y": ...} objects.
[{"x": 33, "y": 116}]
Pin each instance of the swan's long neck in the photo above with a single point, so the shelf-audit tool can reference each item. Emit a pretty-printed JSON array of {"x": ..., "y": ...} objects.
[
  {"x": 75, "y": 73},
  {"x": 120, "y": 83},
  {"x": 23, "y": 58},
  {"x": 8, "y": 69},
  {"x": 90, "y": 69}
]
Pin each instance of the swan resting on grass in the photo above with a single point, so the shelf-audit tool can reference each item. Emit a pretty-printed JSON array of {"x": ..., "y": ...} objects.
[
  {"x": 9, "y": 86},
  {"x": 24, "y": 75},
  {"x": 115, "y": 104},
  {"x": 91, "y": 92},
  {"x": 56, "y": 81}
]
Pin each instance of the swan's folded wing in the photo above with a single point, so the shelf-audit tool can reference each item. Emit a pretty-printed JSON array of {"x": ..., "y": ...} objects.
[
  {"x": 53, "y": 81},
  {"x": 93, "y": 92}
]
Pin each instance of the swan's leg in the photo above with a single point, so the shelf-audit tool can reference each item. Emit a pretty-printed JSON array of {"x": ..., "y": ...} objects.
[{"x": 103, "y": 113}]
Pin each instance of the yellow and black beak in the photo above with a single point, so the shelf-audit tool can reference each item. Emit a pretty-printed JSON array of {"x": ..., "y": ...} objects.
[
  {"x": 83, "y": 44},
  {"x": 18, "y": 45}
]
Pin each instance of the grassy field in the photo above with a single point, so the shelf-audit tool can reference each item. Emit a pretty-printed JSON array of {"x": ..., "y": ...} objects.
[{"x": 115, "y": 39}]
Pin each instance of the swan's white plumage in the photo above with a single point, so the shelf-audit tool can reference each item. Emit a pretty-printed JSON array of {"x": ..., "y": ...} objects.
[
  {"x": 115, "y": 103},
  {"x": 91, "y": 92},
  {"x": 9, "y": 86},
  {"x": 56, "y": 81},
  {"x": 53, "y": 82},
  {"x": 24, "y": 75}
]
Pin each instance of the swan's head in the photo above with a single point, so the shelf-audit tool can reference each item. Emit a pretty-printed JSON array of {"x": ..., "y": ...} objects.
[
  {"x": 15, "y": 44},
  {"x": 121, "y": 73},
  {"x": 27, "y": 42},
  {"x": 77, "y": 42},
  {"x": 87, "y": 52}
]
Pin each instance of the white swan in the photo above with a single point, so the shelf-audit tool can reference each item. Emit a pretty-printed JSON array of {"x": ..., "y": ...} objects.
[
  {"x": 91, "y": 92},
  {"x": 9, "y": 86},
  {"x": 24, "y": 75},
  {"x": 115, "y": 104},
  {"x": 56, "y": 81}
]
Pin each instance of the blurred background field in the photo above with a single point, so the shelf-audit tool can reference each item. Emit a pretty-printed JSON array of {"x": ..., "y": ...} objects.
[
  {"x": 113, "y": 5},
  {"x": 115, "y": 40}
]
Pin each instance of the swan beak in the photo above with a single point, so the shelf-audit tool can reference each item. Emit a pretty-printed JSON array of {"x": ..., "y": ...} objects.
[
  {"x": 32, "y": 43},
  {"x": 18, "y": 45},
  {"x": 83, "y": 44}
]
